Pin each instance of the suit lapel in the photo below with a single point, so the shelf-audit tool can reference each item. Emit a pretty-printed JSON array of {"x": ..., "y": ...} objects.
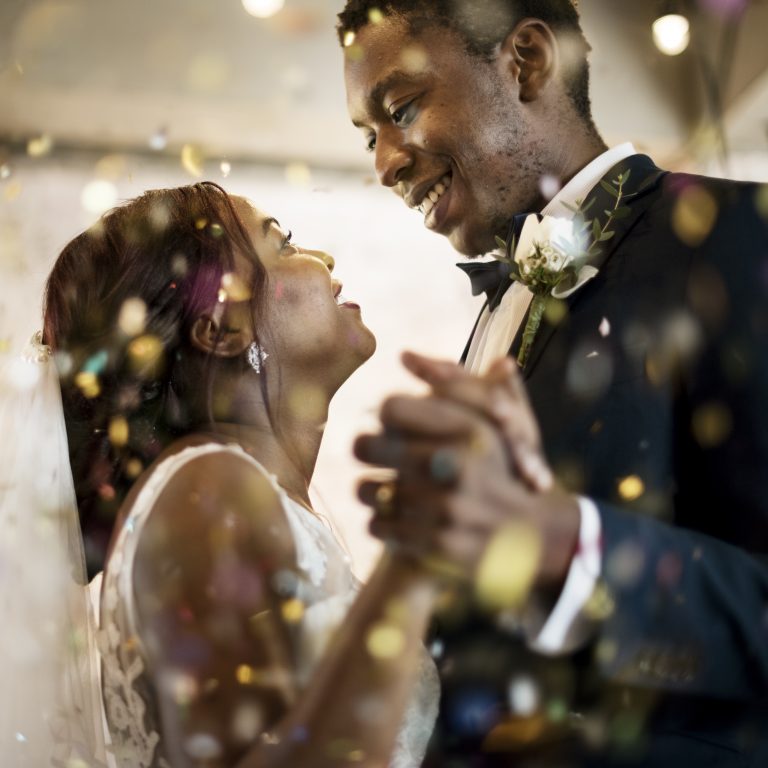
[{"x": 644, "y": 178}]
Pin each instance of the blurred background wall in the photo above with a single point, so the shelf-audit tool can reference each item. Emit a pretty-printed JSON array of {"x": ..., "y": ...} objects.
[{"x": 100, "y": 100}]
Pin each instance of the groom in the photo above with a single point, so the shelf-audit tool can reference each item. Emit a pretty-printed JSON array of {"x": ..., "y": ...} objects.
[{"x": 620, "y": 615}]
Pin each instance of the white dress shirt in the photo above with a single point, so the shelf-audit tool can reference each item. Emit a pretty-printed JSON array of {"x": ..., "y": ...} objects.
[{"x": 561, "y": 631}]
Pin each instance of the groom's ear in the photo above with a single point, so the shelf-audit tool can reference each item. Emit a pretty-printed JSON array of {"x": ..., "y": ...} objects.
[
  {"x": 219, "y": 338},
  {"x": 530, "y": 55}
]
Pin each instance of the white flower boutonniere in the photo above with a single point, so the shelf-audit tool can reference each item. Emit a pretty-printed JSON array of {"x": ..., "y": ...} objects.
[{"x": 552, "y": 256}]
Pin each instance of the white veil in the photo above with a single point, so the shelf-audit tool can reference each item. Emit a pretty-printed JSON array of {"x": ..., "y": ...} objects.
[{"x": 50, "y": 700}]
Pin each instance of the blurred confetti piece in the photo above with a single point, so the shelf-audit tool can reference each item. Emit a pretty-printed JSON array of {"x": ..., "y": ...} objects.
[
  {"x": 5, "y": 171},
  {"x": 118, "y": 432},
  {"x": 414, "y": 59},
  {"x": 349, "y": 38},
  {"x": 208, "y": 72},
  {"x": 158, "y": 141},
  {"x": 712, "y": 424},
  {"x": 508, "y": 568},
  {"x": 631, "y": 488},
  {"x": 385, "y": 641},
  {"x": 694, "y": 215},
  {"x": 226, "y": 168},
  {"x": 98, "y": 196},
  {"x": 111, "y": 167},
  {"x": 605, "y": 328},
  {"x": 39, "y": 146},
  {"x": 12, "y": 191},
  {"x": 192, "y": 160},
  {"x": 375, "y": 16},
  {"x": 237, "y": 289},
  {"x": 298, "y": 174}
]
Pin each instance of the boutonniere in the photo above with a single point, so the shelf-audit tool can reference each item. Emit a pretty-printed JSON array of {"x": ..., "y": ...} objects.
[{"x": 552, "y": 255}]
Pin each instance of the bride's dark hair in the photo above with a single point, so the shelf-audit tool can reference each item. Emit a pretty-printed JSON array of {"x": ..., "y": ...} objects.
[{"x": 119, "y": 306}]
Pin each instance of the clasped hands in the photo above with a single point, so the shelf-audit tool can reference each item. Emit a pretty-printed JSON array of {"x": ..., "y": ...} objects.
[{"x": 469, "y": 464}]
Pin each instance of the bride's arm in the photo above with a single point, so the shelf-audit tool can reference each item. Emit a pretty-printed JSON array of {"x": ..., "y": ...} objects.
[{"x": 217, "y": 633}]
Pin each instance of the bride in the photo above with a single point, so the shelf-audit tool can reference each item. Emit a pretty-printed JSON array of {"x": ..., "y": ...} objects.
[{"x": 198, "y": 350}]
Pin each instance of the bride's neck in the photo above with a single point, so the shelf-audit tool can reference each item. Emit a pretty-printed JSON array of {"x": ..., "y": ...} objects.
[{"x": 291, "y": 456}]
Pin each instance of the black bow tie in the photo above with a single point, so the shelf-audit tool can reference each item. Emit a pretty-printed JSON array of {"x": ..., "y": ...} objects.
[{"x": 492, "y": 277}]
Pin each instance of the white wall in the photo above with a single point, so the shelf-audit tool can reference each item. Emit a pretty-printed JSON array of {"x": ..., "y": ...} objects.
[{"x": 401, "y": 274}]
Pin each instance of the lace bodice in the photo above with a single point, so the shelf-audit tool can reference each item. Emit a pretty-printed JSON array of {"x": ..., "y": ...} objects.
[{"x": 327, "y": 588}]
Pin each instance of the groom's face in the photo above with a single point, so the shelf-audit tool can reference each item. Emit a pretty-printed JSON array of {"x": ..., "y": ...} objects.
[{"x": 447, "y": 130}]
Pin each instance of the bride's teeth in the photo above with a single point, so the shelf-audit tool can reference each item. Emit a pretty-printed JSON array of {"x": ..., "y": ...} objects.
[{"x": 340, "y": 299}]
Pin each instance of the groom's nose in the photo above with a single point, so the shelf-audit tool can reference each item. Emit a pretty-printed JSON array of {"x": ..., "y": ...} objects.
[{"x": 393, "y": 159}]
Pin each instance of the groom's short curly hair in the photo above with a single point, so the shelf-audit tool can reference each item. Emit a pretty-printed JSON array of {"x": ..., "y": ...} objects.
[{"x": 483, "y": 25}]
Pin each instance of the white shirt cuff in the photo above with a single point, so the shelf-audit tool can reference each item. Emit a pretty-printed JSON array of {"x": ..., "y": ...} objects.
[{"x": 566, "y": 628}]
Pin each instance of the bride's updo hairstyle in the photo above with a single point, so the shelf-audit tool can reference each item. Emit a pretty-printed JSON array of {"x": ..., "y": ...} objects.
[{"x": 119, "y": 307}]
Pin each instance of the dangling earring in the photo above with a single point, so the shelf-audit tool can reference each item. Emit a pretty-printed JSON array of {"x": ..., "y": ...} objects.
[{"x": 256, "y": 356}]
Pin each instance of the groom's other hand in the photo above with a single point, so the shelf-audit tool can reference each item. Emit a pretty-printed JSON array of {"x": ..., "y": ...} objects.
[{"x": 455, "y": 495}]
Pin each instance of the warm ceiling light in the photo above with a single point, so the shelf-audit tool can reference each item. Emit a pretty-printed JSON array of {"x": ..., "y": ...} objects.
[
  {"x": 672, "y": 33},
  {"x": 263, "y": 9}
]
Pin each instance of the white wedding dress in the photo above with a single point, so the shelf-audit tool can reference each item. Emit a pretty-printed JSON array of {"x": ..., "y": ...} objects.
[{"x": 327, "y": 589}]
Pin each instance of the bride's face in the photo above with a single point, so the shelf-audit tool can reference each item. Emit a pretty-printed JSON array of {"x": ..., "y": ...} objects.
[{"x": 311, "y": 327}]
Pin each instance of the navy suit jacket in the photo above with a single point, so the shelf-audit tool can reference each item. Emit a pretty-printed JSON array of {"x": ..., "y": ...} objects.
[{"x": 660, "y": 415}]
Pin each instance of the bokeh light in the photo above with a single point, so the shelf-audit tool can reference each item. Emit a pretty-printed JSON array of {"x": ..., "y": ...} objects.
[
  {"x": 672, "y": 34},
  {"x": 98, "y": 196},
  {"x": 263, "y": 9}
]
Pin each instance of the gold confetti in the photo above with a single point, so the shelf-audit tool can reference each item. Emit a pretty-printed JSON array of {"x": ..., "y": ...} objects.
[
  {"x": 118, "y": 432},
  {"x": 375, "y": 16},
  {"x": 88, "y": 384},
  {"x": 192, "y": 160},
  {"x": 237, "y": 289},
  {"x": 349, "y": 38},
  {"x": 694, "y": 215},
  {"x": 712, "y": 424},
  {"x": 39, "y": 146},
  {"x": 298, "y": 174},
  {"x": 631, "y": 488},
  {"x": 12, "y": 191},
  {"x": 307, "y": 402},
  {"x": 133, "y": 469},
  {"x": 145, "y": 355},
  {"x": 245, "y": 675},
  {"x": 508, "y": 567},
  {"x": 555, "y": 311},
  {"x": 385, "y": 641},
  {"x": 414, "y": 59},
  {"x": 208, "y": 72},
  {"x": 293, "y": 611}
]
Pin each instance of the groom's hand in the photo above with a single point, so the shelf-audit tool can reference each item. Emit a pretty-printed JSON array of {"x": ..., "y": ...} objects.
[{"x": 455, "y": 493}]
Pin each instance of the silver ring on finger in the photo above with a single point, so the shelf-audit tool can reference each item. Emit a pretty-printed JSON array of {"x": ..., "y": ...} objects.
[{"x": 444, "y": 466}]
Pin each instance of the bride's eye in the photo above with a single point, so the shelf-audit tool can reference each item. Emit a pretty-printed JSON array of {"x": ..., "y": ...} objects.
[{"x": 286, "y": 240}]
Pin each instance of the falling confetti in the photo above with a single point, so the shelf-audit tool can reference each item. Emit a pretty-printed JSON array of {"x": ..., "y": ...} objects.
[
  {"x": 192, "y": 160},
  {"x": 349, "y": 38},
  {"x": 39, "y": 146},
  {"x": 631, "y": 488},
  {"x": 132, "y": 317},
  {"x": 5, "y": 171},
  {"x": 712, "y": 424},
  {"x": 414, "y": 59},
  {"x": 549, "y": 186},
  {"x": 118, "y": 432},
  {"x": 298, "y": 174},
  {"x": 385, "y": 641},
  {"x": 158, "y": 141},
  {"x": 375, "y": 16},
  {"x": 694, "y": 215},
  {"x": 523, "y": 695},
  {"x": 226, "y": 168},
  {"x": 605, "y": 328},
  {"x": 508, "y": 568}
]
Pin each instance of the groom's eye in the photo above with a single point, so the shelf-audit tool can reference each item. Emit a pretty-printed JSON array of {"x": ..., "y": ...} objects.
[{"x": 404, "y": 114}]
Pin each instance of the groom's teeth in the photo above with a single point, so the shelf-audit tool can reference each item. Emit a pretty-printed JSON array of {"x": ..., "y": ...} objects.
[{"x": 434, "y": 194}]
